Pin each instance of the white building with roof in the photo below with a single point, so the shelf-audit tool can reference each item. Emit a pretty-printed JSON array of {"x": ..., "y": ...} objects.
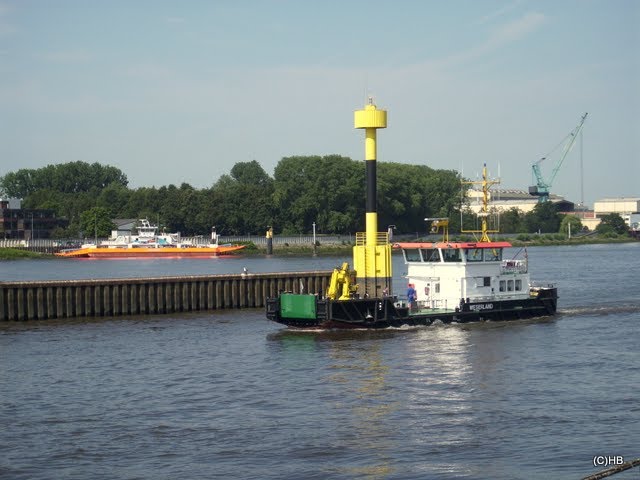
[
  {"x": 623, "y": 206},
  {"x": 506, "y": 199}
]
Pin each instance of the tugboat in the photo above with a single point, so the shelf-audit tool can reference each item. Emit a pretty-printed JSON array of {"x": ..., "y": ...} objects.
[{"x": 447, "y": 281}]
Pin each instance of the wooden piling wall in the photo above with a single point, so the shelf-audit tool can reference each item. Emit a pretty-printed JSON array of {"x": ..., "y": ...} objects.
[{"x": 43, "y": 300}]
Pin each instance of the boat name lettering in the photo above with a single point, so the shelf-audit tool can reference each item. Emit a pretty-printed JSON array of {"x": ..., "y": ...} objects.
[{"x": 481, "y": 306}]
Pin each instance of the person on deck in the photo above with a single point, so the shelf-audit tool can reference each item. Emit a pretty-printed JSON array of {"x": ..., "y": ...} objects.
[{"x": 412, "y": 297}]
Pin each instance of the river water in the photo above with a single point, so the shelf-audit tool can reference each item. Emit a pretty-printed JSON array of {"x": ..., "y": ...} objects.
[{"x": 230, "y": 395}]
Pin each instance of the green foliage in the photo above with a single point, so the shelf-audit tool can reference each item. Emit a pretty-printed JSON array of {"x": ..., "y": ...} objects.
[
  {"x": 611, "y": 225},
  {"x": 71, "y": 177},
  {"x": 329, "y": 191},
  {"x": 544, "y": 218},
  {"x": 242, "y": 202},
  {"x": 512, "y": 221},
  {"x": 249, "y": 247},
  {"x": 575, "y": 222},
  {"x": 407, "y": 194},
  {"x": 326, "y": 190},
  {"x": 96, "y": 222},
  {"x": 18, "y": 254}
]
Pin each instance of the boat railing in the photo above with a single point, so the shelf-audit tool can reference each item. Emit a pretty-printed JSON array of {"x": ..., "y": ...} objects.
[
  {"x": 514, "y": 266},
  {"x": 382, "y": 238}
]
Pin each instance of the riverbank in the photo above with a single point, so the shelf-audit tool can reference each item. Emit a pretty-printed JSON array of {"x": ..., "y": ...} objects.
[
  {"x": 533, "y": 241},
  {"x": 346, "y": 249},
  {"x": 20, "y": 254}
]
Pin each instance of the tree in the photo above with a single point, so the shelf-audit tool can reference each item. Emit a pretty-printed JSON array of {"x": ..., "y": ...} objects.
[
  {"x": 114, "y": 197},
  {"x": 73, "y": 177},
  {"x": 240, "y": 203},
  {"x": 575, "y": 222},
  {"x": 250, "y": 173},
  {"x": 96, "y": 221},
  {"x": 512, "y": 221},
  {"x": 544, "y": 218},
  {"x": 612, "y": 223},
  {"x": 326, "y": 190}
]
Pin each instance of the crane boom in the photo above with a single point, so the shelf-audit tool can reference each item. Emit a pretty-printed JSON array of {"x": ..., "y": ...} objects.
[{"x": 542, "y": 187}]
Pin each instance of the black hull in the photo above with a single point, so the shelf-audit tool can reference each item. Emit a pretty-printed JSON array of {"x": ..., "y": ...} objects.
[{"x": 385, "y": 312}]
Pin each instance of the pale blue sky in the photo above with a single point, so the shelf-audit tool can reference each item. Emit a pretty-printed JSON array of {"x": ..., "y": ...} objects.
[{"x": 173, "y": 91}]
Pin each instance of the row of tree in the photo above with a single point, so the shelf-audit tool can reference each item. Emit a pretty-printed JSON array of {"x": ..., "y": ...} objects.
[{"x": 328, "y": 191}]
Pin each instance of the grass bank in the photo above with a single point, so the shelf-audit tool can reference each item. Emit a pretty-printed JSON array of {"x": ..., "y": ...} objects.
[
  {"x": 531, "y": 241},
  {"x": 17, "y": 253}
]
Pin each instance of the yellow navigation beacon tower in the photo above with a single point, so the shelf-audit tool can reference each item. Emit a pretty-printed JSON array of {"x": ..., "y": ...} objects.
[{"x": 372, "y": 252}]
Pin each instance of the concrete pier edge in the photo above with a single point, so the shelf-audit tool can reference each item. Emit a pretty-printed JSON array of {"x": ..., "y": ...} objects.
[{"x": 56, "y": 299}]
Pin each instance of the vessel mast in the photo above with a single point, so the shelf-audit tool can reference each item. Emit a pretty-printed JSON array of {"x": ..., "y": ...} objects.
[{"x": 484, "y": 211}]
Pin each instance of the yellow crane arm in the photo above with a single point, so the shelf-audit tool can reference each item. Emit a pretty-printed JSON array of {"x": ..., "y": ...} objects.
[{"x": 341, "y": 285}]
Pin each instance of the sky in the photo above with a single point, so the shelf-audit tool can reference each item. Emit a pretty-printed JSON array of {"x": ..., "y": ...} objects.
[{"x": 181, "y": 91}]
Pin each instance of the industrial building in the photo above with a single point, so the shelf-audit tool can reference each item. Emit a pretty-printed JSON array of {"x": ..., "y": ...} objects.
[
  {"x": 26, "y": 223},
  {"x": 502, "y": 200}
]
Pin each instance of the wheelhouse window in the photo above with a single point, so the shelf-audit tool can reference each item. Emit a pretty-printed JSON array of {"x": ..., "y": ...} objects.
[
  {"x": 493, "y": 254},
  {"x": 473, "y": 254},
  {"x": 503, "y": 285},
  {"x": 412, "y": 255},
  {"x": 431, "y": 255},
  {"x": 510, "y": 285},
  {"x": 518, "y": 285},
  {"x": 451, "y": 255}
]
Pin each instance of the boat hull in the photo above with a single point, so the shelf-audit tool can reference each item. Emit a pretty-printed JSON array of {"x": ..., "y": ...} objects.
[
  {"x": 313, "y": 313},
  {"x": 141, "y": 252}
]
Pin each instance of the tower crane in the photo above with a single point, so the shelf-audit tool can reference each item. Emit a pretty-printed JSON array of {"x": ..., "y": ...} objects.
[{"x": 542, "y": 187}]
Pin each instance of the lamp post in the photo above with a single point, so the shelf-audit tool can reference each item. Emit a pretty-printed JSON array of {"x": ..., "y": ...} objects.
[
  {"x": 314, "y": 238},
  {"x": 390, "y": 230}
]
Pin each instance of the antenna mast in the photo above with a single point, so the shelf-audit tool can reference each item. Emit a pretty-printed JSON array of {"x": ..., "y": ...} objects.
[{"x": 484, "y": 212}]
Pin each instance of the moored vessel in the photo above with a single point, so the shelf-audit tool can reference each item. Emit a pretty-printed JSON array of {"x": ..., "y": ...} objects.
[
  {"x": 446, "y": 281},
  {"x": 148, "y": 243}
]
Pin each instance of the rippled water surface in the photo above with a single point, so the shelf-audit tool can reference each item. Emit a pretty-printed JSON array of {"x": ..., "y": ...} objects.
[{"x": 230, "y": 395}]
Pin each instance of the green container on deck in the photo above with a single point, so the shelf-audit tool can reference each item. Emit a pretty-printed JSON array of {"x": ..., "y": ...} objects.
[{"x": 297, "y": 306}]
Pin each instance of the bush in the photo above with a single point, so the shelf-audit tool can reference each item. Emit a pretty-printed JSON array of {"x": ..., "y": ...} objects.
[{"x": 248, "y": 246}]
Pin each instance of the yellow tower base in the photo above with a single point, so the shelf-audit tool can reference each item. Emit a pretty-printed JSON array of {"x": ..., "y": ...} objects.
[{"x": 372, "y": 264}]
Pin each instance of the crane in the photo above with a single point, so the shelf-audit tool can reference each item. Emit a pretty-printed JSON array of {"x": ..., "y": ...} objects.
[{"x": 542, "y": 187}]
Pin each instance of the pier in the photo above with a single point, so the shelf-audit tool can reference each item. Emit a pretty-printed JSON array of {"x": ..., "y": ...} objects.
[{"x": 59, "y": 299}]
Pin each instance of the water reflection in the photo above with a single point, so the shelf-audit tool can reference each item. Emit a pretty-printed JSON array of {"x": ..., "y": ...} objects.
[
  {"x": 355, "y": 394},
  {"x": 358, "y": 376},
  {"x": 439, "y": 397}
]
